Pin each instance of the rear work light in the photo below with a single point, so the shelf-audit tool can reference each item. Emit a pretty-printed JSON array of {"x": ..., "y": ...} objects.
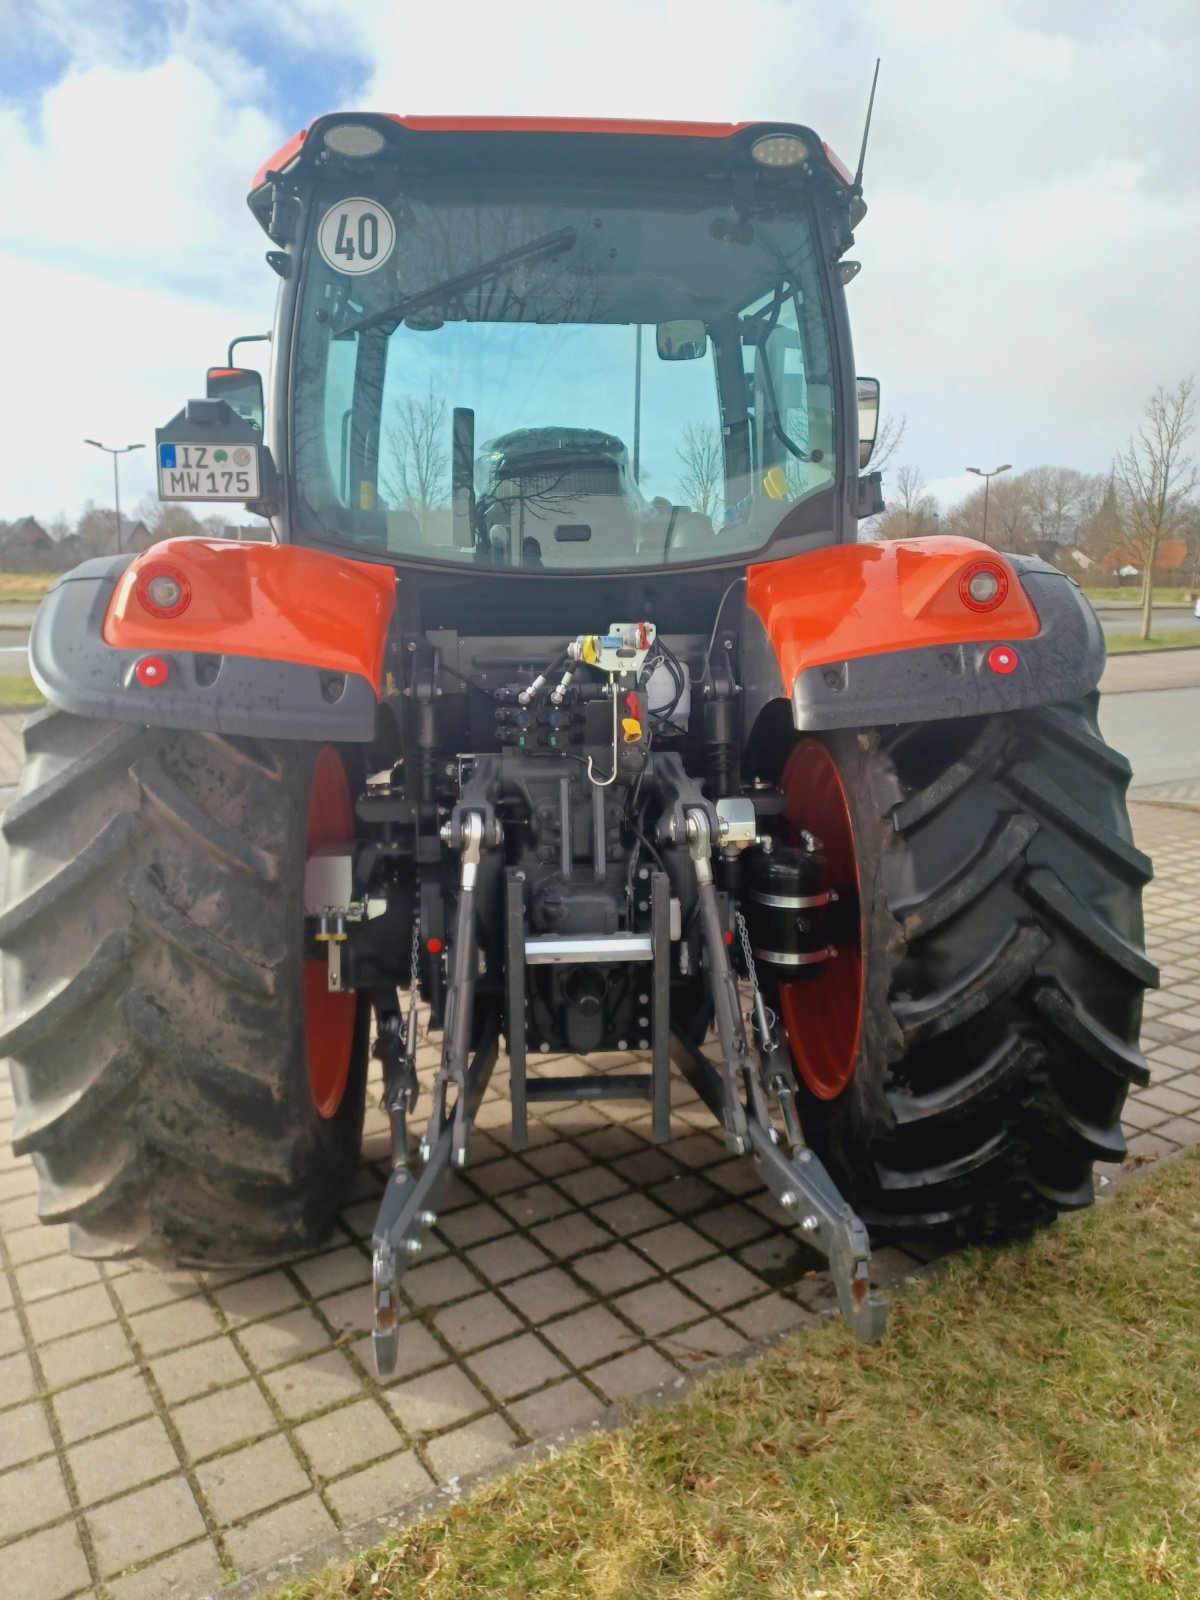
[
  {"x": 779, "y": 150},
  {"x": 983, "y": 586},
  {"x": 163, "y": 591}
]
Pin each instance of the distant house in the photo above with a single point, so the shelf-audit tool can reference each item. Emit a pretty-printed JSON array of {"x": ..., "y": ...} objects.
[
  {"x": 1170, "y": 559},
  {"x": 136, "y": 536},
  {"x": 25, "y": 546}
]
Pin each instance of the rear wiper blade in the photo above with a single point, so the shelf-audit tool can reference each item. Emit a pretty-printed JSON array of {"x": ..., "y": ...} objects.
[{"x": 550, "y": 244}]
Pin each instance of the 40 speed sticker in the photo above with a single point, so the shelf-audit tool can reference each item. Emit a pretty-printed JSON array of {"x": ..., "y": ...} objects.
[{"x": 356, "y": 236}]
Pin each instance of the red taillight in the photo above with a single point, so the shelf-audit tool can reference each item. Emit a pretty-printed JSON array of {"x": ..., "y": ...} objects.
[
  {"x": 152, "y": 672},
  {"x": 1003, "y": 659},
  {"x": 434, "y": 946},
  {"x": 983, "y": 585},
  {"x": 163, "y": 591}
]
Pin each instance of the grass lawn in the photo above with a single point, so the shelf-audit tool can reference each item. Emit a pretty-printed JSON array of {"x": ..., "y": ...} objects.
[
  {"x": 1030, "y": 1427},
  {"x": 1134, "y": 593},
  {"x": 25, "y": 588},
  {"x": 19, "y": 689},
  {"x": 1122, "y": 644}
]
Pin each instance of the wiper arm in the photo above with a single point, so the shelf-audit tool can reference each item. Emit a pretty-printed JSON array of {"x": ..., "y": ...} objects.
[{"x": 551, "y": 244}]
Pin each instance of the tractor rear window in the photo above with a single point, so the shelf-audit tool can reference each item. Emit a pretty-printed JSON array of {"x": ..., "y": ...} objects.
[{"x": 558, "y": 381}]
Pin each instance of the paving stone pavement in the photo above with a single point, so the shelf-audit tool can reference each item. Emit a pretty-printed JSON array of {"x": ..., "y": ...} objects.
[{"x": 161, "y": 1434}]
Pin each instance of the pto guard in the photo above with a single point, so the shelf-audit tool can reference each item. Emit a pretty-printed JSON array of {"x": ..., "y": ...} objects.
[
  {"x": 275, "y": 641},
  {"x": 872, "y": 634}
]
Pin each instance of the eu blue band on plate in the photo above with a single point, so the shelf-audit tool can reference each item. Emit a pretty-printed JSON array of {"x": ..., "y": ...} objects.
[{"x": 166, "y": 455}]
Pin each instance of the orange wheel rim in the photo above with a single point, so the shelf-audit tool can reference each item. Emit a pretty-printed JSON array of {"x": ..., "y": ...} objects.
[
  {"x": 328, "y": 1018},
  {"x": 823, "y": 1015}
]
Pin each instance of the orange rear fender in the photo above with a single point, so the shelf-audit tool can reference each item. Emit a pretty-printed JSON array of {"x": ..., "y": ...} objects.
[
  {"x": 871, "y": 635},
  {"x": 271, "y": 602},
  {"x": 856, "y": 600}
]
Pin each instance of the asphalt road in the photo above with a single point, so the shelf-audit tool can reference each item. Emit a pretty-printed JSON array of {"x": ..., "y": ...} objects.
[
  {"x": 1159, "y": 730},
  {"x": 1127, "y": 619}
]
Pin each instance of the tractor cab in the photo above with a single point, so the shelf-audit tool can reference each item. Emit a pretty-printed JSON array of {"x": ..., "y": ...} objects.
[{"x": 537, "y": 347}]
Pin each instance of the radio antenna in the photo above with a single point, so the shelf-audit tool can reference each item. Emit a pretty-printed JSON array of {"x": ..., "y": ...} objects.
[{"x": 862, "y": 154}]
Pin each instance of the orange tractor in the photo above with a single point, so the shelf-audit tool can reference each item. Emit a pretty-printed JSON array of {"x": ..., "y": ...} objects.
[{"x": 564, "y": 700}]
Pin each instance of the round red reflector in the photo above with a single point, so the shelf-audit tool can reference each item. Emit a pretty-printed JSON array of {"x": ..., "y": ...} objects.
[
  {"x": 1002, "y": 659},
  {"x": 728, "y": 936},
  {"x": 434, "y": 946},
  {"x": 983, "y": 585},
  {"x": 164, "y": 591},
  {"x": 152, "y": 672}
]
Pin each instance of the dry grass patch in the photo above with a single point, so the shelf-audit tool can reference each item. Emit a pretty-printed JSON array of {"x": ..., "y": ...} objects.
[
  {"x": 25, "y": 588},
  {"x": 1030, "y": 1427},
  {"x": 19, "y": 689}
]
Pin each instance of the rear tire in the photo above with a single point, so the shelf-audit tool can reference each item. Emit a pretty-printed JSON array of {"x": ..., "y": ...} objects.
[
  {"x": 154, "y": 995},
  {"x": 1003, "y": 970}
]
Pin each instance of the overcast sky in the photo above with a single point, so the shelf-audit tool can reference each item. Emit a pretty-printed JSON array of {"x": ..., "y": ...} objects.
[{"x": 1031, "y": 260}]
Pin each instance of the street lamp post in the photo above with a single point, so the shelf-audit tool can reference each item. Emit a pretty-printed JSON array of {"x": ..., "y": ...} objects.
[
  {"x": 987, "y": 484},
  {"x": 114, "y": 451}
]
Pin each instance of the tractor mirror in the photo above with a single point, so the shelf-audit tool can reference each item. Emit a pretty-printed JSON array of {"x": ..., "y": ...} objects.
[
  {"x": 686, "y": 340},
  {"x": 241, "y": 388},
  {"x": 868, "y": 418}
]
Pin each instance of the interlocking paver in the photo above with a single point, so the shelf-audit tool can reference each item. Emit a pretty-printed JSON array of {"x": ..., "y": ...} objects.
[
  {"x": 121, "y": 1460},
  {"x": 589, "y": 1335},
  {"x": 509, "y": 1257},
  {"x": 721, "y": 1282},
  {"x": 384, "y": 1486},
  {"x": 223, "y": 1419},
  {"x": 194, "y": 1570},
  {"x": 618, "y": 1267},
  {"x": 31, "y": 1496},
  {"x": 64, "y": 1314},
  {"x": 468, "y": 1324},
  {"x": 24, "y": 1434},
  {"x": 270, "y": 1344},
  {"x": 171, "y": 1326},
  {"x": 555, "y": 1409},
  {"x": 545, "y": 1294},
  {"x": 45, "y": 1566},
  {"x": 55, "y": 1275},
  {"x": 702, "y": 1341},
  {"x": 436, "y": 1401},
  {"x": 238, "y": 1484},
  {"x": 516, "y": 1366},
  {"x": 657, "y": 1307},
  {"x": 347, "y": 1438},
  {"x": 307, "y": 1386},
  {"x": 568, "y": 1236},
  {"x": 631, "y": 1213},
  {"x": 438, "y": 1282},
  {"x": 469, "y": 1449},
  {"x": 143, "y": 1524},
  {"x": 337, "y": 1269},
  {"x": 279, "y": 1533},
  {"x": 143, "y": 1289},
  {"x": 252, "y": 1299},
  {"x": 633, "y": 1373},
  {"x": 102, "y": 1403},
  {"x": 85, "y": 1355},
  {"x": 673, "y": 1246},
  {"x": 196, "y": 1370}
]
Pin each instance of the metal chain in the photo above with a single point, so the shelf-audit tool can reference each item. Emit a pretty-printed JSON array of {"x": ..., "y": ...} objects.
[
  {"x": 751, "y": 969},
  {"x": 415, "y": 975}
]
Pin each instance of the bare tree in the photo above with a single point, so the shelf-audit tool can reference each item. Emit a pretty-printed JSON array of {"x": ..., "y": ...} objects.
[
  {"x": 1054, "y": 499},
  {"x": 911, "y": 511},
  {"x": 417, "y": 438},
  {"x": 888, "y": 439},
  {"x": 1155, "y": 477},
  {"x": 702, "y": 468}
]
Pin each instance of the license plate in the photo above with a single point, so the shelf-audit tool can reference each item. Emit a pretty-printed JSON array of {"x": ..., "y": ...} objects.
[{"x": 207, "y": 472}]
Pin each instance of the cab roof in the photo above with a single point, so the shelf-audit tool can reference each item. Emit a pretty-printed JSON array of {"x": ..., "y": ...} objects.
[{"x": 291, "y": 153}]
